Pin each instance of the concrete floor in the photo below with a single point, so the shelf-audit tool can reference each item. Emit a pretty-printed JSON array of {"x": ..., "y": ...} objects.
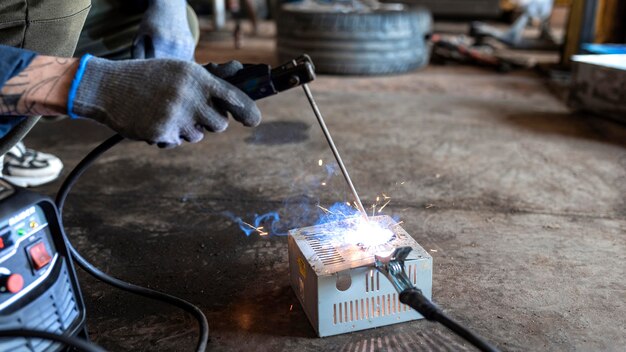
[{"x": 520, "y": 203}]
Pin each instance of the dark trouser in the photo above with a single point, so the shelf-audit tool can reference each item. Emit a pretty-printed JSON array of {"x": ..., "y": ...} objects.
[
  {"x": 69, "y": 28},
  {"x": 55, "y": 27},
  {"x": 111, "y": 28},
  {"x": 49, "y": 27}
]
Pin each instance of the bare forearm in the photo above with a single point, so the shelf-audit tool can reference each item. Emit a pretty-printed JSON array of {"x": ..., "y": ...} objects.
[{"x": 40, "y": 89}]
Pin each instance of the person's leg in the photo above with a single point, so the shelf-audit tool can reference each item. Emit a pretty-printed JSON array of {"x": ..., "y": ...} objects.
[
  {"x": 111, "y": 28},
  {"x": 7, "y": 123},
  {"x": 48, "y": 27},
  {"x": 53, "y": 27}
]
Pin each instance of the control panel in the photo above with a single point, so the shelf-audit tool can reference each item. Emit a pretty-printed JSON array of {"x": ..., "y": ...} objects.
[
  {"x": 27, "y": 253},
  {"x": 38, "y": 285}
]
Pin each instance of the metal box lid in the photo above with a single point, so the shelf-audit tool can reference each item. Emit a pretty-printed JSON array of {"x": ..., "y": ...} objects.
[{"x": 342, "y": 245}]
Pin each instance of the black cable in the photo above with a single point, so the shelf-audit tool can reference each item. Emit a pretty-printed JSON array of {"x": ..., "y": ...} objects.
[
  {"x": 80, "y": 344},
  {"x": 82, "y": 166},
  {"x": 71, "y": 179},
  {"x": 465, "y": 333},
  {"x": 414, "y": 298}
]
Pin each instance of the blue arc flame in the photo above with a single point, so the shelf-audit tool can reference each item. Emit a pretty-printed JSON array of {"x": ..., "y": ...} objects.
[
  {"x": 272, "y": 224},
  {"x": 267, "y": 222}
]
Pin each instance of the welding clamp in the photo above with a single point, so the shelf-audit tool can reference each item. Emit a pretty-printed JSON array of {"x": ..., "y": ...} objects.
[
  {"x": 260, "y": 80},
  {"x": 392, "y": 266}
]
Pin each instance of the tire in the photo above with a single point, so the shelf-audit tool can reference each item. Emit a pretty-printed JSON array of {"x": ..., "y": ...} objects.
[{"x": 356, "y": 43}]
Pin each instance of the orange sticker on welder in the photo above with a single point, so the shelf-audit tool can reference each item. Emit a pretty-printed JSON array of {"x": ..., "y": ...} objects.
[{"x": 302, "y": 267}]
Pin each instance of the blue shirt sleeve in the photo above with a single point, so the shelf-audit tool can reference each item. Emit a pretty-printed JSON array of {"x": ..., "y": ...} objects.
[{"x": 13, "y": 61}]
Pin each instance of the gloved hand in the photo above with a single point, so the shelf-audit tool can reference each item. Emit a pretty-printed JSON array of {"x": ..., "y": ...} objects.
[
  {"x": 224, "y": 70},
  {"x": 160, "y": 101},
  {"x": 164, "y": 32}
]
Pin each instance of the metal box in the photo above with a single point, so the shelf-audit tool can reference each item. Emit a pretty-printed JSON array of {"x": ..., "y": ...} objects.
[
  {"x": 332, "y": 274},
  {"x": 598, "y": 83}
]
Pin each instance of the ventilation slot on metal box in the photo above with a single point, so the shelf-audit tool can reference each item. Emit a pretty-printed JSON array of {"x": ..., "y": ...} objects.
[
  {"x": 411, "y": 272},
  {"x": 367, "y": 308},
  {"x": 372, "y": 278},
  {"x": 335, "y": 280},
  {"x": 372, "y": 281},
  {"x": 327, "y": 253}
]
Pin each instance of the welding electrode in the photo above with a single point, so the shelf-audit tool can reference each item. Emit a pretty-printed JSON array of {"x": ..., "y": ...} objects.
[
  {"x": 259, "y": 81},
  {"x": 344, "y": 171}
]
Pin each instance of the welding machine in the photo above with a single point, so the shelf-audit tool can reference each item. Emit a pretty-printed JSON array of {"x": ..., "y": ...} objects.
[{"x": 38, "y": 285}]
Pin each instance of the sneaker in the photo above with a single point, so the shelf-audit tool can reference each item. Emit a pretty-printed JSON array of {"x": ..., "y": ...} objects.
[{"x": 25, "y": 167}]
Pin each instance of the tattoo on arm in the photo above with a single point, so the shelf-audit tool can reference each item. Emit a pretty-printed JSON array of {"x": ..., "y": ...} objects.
[{"x": 40, "y": 89}]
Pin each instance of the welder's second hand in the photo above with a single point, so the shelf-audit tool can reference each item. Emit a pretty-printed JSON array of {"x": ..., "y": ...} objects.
[{"x": 333, "y": 148}]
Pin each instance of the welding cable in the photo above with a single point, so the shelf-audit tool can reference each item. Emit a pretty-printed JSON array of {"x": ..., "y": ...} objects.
[
  {"x": 79, "y": 344},
  {"x": 414, "y": 298},
  {"x": 69, "y": 182}
]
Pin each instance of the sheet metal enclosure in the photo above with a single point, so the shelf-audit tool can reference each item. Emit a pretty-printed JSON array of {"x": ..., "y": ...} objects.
[
  {"x": 337, "y": 284},
  {"x": 598, "y": 83}
]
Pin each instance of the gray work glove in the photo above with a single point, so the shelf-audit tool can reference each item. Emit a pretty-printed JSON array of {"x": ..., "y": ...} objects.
[{"x": 160, "y": 101}]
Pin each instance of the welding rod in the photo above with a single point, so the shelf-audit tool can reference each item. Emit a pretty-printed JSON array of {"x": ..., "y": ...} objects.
[{"x": 344, "y": 171}]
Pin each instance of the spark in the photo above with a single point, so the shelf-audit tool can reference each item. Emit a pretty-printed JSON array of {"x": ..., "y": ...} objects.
[
  {"x": 320, "y": 162},
  {"x": 323, "y": 183},
  {"x": 428, "y": 206},
  {"x": 342, "y": 213},
  {"x": 377, "y": 199},
  {"x": 245, "y": 223},
  {"x": 368, "y": 234},
  {"x": 324, "y": 209},
  {"x": 259, "y": 229},
  {"x": 383, "y": 207},
  {"x": 291, "y": 307},
  {"x": 386, "y": 196},
  {"x": 348, "y": 204},
  {"x": 374, "y": 209}
]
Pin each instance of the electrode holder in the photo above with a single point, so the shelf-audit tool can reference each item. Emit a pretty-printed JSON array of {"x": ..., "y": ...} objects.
[{"x": 259, "y": 81}]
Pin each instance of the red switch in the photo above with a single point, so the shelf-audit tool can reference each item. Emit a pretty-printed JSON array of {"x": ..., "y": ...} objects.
[
  {"x": 14, "y": 283},
  {"x": 39, "y": 255}
]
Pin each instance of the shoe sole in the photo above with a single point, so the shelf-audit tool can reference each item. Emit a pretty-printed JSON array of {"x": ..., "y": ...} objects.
[{"x": 30, "y": 181}]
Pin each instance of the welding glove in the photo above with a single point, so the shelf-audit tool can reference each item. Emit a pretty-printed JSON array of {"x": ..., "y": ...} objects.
[
  {"x": 160, "y": 101},
  {"x": 164, "y": 32},
  {"x": 224, "y": 70}
]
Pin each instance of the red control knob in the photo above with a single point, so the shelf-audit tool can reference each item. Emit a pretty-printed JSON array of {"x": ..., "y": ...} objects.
[{"x": 13, "y": 283}]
